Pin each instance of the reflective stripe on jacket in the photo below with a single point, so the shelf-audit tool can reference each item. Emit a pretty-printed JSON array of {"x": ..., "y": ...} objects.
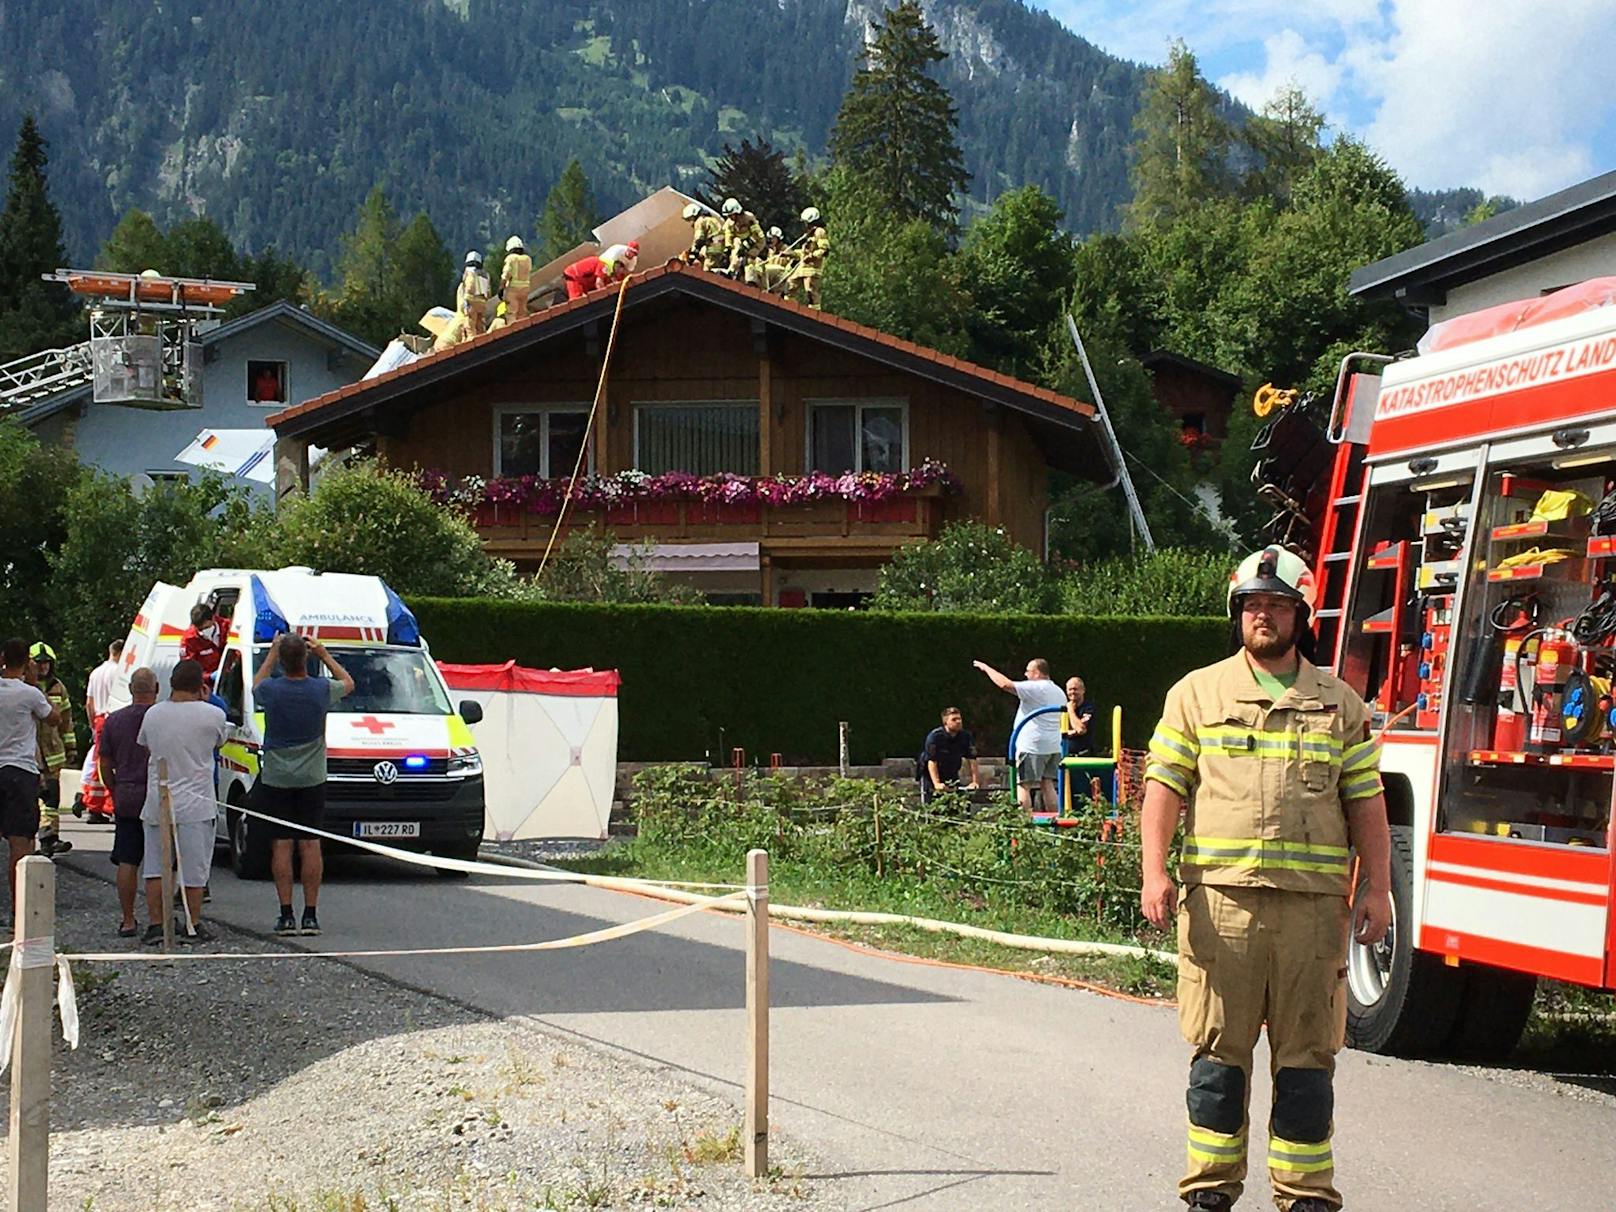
[{"x": 1266, "y": 781}]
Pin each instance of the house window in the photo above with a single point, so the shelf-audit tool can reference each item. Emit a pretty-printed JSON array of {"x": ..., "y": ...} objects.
[
  {"x": 266, "y": 382},
  {"x": 857, "y": 436},
  {"x": 539, "y": 441},
  {"x": 702, "y": 439}
]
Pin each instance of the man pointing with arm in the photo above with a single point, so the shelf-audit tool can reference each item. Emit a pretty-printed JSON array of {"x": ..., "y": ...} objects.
[{"x": 1271, "y": 762}]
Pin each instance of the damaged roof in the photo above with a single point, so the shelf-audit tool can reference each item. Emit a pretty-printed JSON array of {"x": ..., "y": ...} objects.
[{"x": 675, "y": 277}]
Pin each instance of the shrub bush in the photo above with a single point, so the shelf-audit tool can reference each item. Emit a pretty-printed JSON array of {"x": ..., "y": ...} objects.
[
  {"x": 990, "y": 852},
  {"x": 698, "y": 680},
  {"x": 969, "y": 567},
  {"x": 1169, "y": 581}
]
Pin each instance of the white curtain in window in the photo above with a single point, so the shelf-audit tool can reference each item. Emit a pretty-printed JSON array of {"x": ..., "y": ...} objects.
[{"x": 702, "y": 439}]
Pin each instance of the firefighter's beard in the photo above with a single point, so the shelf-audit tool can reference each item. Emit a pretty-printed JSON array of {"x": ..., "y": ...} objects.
[{"x": 1268, "y": 638}]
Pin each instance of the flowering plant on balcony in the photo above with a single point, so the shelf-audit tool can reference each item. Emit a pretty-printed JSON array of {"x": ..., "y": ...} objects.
[{"x": 531, "y": 494}]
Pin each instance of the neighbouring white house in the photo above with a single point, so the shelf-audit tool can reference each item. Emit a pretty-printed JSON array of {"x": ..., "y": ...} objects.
[{"x": 1535, "y": 249}]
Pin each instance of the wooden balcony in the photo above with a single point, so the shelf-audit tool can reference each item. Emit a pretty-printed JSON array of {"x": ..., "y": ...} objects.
[{"x": 820, "y": 527}]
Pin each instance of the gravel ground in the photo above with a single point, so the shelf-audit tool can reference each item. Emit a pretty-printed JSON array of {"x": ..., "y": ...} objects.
[{"x": 309, "y": 1087}]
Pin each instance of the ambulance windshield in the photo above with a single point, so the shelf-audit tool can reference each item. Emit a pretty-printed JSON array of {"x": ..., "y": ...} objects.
[{"x": 396, "y": 680}]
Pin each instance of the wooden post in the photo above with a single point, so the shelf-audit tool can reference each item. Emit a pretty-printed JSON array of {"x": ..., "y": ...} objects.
[
  {"x": 165, "y": 838},
  {"x": 29, "y": 1141},
  {"x": 757, "y": 1013},
  {"x": 875, "y": 806},
  {"x": 841, "y": 738}
]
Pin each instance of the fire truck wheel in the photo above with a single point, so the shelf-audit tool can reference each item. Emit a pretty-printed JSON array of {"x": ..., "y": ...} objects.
[
  {"x": 1400, "y": 1001},
  {"x": 1493, "y": 1013},
  {"x": 249, "y": 849}
]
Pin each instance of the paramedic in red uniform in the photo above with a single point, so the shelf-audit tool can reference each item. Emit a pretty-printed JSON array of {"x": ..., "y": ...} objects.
[{"x": 201, "y": 642}]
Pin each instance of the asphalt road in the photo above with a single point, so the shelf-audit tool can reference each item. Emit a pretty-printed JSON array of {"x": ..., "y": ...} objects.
[{"x": 934, "y": 1088}]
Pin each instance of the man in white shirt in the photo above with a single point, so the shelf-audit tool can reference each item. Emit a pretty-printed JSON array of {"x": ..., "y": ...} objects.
[
  {"x": 1038, "y": 745},
  {"x": 101, "y": 698},
  {"x": 22, "y": 707},
  {"x": 183, "y": 732}
]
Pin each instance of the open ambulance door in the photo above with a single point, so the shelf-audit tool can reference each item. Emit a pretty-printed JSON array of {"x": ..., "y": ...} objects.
[{"x": 154, "y": 637}]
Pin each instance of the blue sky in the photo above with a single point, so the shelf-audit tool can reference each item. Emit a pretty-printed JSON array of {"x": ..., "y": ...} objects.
[{"x": 1512, "y": 96}]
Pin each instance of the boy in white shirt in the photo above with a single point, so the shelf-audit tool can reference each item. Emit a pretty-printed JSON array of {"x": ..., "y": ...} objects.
[{"x": 183, "y": 732}]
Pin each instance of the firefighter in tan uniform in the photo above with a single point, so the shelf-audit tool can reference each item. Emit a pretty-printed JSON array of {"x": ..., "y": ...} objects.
[
  {"x": 1272, "y": 762},
  {"x": 516, "y": 278}
]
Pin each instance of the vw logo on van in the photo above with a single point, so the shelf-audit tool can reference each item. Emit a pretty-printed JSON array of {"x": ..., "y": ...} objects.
[{"x": 385, "y": 772}]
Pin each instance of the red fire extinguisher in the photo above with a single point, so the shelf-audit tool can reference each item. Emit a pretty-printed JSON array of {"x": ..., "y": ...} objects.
[
  {"x": 1516, "y": 620},
  {"x": 1556, "y": 655}
]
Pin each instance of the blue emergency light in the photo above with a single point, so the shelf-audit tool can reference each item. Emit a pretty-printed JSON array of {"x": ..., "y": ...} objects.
[{"x": 415, "y": 762}]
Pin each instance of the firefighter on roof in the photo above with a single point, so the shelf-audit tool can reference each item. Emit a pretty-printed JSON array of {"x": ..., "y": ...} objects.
[
  {"x": 516, "y": 278},
  {"x": 471, "y": 296},
  {"x": 706, "y": 238},
  {"x": 1271, "y": 761},
  {"x": 814, "y": 245},
  {"x": 743, "y": 237}
]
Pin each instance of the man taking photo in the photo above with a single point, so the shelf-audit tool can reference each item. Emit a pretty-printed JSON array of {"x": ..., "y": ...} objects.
[{"x": 291, "y": 777}]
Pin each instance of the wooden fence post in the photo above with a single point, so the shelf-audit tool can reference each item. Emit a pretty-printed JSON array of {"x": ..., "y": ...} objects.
[
  {"x": 880, "y": 864},
  {"x": 28, "y": 1174},
  {"x": 165, "y": 850},
  {"x": 841, "y": 746},
  {"x": 757, "y": 1013}
]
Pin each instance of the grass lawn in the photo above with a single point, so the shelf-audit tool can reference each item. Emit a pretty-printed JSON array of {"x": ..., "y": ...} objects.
[{"x": 798, "y": 884}]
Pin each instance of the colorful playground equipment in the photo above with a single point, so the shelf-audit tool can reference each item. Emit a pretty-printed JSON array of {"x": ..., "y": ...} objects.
[{"x": 1093, "y": 777}]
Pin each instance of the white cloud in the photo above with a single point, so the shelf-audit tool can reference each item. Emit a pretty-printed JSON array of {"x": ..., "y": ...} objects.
[
  {"x": 1479, "y": 94},
  {"x": 1500, "y": 94},
  {"x": 1288, "y": 59}
]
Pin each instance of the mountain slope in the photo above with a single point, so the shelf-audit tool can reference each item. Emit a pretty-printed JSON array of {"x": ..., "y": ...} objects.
[{"x": 276, "y": 116}]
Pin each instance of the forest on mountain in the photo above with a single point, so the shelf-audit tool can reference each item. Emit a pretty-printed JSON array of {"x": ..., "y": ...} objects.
[{"x": 273, "y": 117}]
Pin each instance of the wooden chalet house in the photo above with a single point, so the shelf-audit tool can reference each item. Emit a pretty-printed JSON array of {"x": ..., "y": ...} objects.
[{"x": 772, "y": 453}]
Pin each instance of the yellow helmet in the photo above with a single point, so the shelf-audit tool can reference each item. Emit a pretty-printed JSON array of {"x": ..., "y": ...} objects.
[
  {"x": 42, "y": 652},
  {"x": 1273, "y": 570}
]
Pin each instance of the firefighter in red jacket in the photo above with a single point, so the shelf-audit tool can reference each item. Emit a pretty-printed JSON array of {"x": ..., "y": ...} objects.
[{"x": 1271, "y": 762}]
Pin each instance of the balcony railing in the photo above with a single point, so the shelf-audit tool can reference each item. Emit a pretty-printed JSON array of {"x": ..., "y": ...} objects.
[{"x": 914, "y": 515}]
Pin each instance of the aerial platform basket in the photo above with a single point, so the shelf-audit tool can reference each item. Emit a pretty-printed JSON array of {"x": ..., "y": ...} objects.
[{"x": 144, "y": 344}]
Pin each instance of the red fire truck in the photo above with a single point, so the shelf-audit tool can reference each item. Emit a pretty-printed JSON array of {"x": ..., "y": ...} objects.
[{"x": 1462, "y": 520}]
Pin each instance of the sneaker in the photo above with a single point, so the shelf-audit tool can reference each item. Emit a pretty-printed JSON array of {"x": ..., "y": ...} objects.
[
  {"x": 100, "y": 818},
  {"x": 129, "y": 931},
  {"x": 285, "y": 924},
  {"x": 78, "y": 806},
  {"x": 311, "y": 923},
  {"x": 153, "y": 935},
  {"x": 202, "y": 935}
]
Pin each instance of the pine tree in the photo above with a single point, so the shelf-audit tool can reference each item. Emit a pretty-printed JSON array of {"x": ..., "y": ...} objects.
[
  {"x": 897, "y": 129},
  {"x": 1285, "y": 142},
  {"x": 198, "y": 248},
  {"x": 1181, "y": 144},
  {"x": 569, "y": 216},
  {"x": 135, "y": 244},
  {"x": 367, "y": 299},
  {"x": 424, "y": 271},
  {"x": 34, "y": 314},
  {"x": 757, "y": 175}
]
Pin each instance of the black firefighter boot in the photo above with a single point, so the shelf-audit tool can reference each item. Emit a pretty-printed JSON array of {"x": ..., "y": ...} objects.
[{"x": 1209, "y": 1201}]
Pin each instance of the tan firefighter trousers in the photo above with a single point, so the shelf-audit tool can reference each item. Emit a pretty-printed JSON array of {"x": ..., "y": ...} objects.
[{"x": 1248, "y": 956}]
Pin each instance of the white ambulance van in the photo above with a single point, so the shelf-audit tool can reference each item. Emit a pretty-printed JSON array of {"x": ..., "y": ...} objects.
[{"x": 403, "y": 767}]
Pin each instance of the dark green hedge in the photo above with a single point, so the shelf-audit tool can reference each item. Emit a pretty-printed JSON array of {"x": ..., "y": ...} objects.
[{"x": 777, "y": 681}]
